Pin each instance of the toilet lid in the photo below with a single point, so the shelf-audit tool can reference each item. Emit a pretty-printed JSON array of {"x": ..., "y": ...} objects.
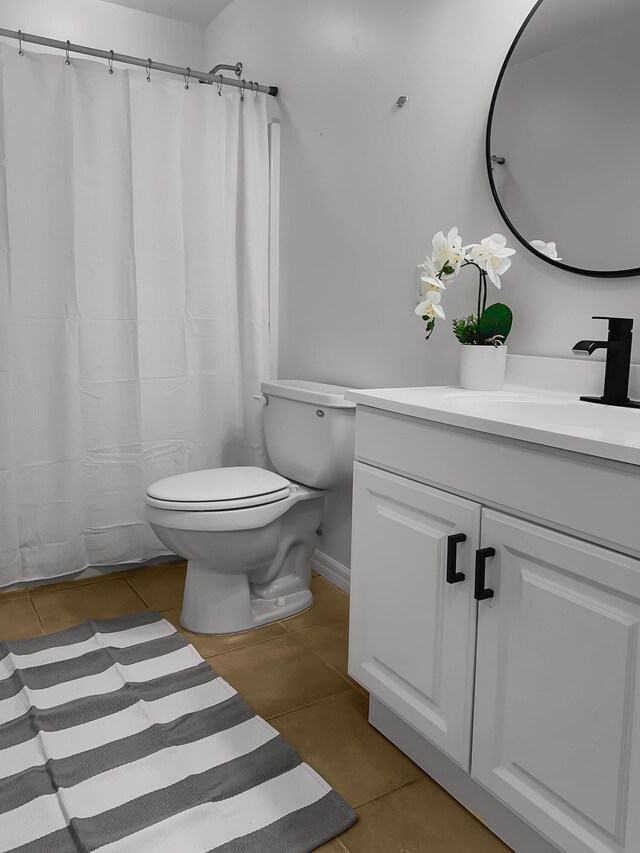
[{"x": 220, "y": 488}]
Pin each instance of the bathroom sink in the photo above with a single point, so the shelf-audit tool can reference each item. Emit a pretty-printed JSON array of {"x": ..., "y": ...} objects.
[{"x": 581, "y": 418}]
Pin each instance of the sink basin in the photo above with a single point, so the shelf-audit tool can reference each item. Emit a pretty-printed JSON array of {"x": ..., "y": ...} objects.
[{"x": 607, "y": 423}]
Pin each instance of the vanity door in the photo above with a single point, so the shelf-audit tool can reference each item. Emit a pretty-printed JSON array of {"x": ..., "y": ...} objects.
[
  {"x": 557, "y": 712},
  {"x": 413, "y": 615}
]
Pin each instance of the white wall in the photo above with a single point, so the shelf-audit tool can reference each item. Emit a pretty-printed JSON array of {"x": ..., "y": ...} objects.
[
  {"x": 365, "y": 186},
  {"x": 108, "y": 27}
]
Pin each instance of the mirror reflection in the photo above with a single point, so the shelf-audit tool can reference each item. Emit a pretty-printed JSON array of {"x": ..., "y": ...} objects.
[{"x": 564, "y": 135}]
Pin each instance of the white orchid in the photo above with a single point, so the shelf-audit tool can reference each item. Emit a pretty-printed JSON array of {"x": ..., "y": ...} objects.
[
  {"x": 429, "y": 278},
  {"x": 492, "y": 258},
  {"x": 447, "y": 253},
  {"x": 491, "y": 255},
  {"x": 548, "y": 249},
  {"x": 431, "y": 307}
]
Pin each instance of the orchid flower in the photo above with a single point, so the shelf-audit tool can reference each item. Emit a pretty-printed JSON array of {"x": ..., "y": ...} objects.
[
  {"x": 491, "y": 255},
  {"x": 547, "y": 249},
  {"x": 448, "y": 254},
  {"x": 429, "y": 280},
  {"x": 431, "y": 308}
]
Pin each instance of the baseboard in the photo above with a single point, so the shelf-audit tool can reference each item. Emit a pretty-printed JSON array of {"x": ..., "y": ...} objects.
[
  {"x": 506, "y": 824},
  {"x": 332, "y": 570}
]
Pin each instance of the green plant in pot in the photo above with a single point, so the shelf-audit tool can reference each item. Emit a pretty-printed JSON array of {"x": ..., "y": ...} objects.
[{"x": 484, "y": 333}]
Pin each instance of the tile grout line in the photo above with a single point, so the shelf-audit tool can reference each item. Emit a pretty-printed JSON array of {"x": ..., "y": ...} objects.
[
  {"x": 38, "y": 616},
  {"x": 74, "y": 583},
  {"x": 258, "y": 642},
  {"x": 311, "y": 627},
  {"x": 339, "y": 672},
  {"x": 350, "y": 688},
  {"x": 309, "y": 704},
  {"x": 284, "y": 622},
  {"x": 47, "y": 589},
  {"x": 393, "y": 790},
  {"x": 135, "y": 592},
  {"x": 73, "y": 586},
  {"x": 333, "y": 668},
  {"x": 237, "y": 648}
]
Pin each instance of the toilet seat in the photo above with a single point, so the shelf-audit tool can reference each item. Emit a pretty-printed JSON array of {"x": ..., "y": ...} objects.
[{"x": 218, "y": 489}]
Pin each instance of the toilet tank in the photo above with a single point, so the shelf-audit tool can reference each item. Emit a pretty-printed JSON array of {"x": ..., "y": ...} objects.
[{"x": 310, "y": 432}]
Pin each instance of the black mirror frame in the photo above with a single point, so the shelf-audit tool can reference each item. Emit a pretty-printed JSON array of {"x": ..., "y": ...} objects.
[{"x": 559, "y": 264}]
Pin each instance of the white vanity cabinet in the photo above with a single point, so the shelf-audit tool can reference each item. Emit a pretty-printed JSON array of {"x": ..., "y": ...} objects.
[
  {"x": 526, "y": 678},
  {"x": 557, "y": 696},
  {"x": 413, "y": 634}
]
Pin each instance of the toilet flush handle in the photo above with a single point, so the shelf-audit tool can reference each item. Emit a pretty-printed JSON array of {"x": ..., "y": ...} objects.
[{"x": 264, "y": 400}]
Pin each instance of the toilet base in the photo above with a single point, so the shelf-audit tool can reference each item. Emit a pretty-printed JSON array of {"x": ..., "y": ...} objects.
[
  {"x": 268, "y": 610},
  {"x": 226, "y": 603}
]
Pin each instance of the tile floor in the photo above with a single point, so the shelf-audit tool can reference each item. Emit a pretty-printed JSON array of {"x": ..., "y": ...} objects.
[{"x": 294, "y": 673}]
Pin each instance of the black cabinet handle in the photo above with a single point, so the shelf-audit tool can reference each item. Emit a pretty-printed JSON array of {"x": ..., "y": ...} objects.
[
  {"x": 481, "y": 593},
  {"x": 453, "y": 541}
]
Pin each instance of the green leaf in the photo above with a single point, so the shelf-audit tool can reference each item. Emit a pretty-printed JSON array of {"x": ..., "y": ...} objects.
[
  {"x": 430, "y": 327},
  {"x": 465, "y": 329},
  {"x": 495, "y": 323}
]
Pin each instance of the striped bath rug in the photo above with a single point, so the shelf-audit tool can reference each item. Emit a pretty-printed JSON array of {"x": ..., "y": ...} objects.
[{"x": 116, "y": 736}]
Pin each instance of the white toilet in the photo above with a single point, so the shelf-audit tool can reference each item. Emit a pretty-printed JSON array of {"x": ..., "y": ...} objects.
[{"x": 248, "y": 533}]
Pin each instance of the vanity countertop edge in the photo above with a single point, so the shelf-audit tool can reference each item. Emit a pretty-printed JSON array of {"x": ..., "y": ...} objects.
[{"x": 434, "y": 403}]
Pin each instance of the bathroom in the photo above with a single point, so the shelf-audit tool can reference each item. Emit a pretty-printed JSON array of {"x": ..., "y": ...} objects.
[{"x": 357, "y": 187}]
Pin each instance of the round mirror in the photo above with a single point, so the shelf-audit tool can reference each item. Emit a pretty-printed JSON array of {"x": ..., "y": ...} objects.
[{"x": 563, "y": 137}]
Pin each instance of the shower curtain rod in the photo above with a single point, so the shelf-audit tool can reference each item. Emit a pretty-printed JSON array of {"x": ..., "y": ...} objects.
[{"x": 110, "y": 56}]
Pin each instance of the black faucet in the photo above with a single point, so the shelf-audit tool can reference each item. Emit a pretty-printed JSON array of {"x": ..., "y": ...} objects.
[{"x": 616, "y": 375}]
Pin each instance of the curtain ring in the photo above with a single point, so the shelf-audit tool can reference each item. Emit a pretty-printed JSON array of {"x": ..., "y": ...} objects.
[
  {"x": 187, "y": 76},
  {"x": 244, "y": 86},
  {"x": 219, "y": 84},
  {"x": 68, "y": 48},
  {"x": 20, "y": 50},
  {"x": 257, "y": 91},
  {"x": 110, "y": 61},
  {"x": 149, "y": 63}
]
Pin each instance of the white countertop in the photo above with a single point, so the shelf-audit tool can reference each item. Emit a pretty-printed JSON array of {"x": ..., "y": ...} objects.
[{"x": 551, "y": 418}]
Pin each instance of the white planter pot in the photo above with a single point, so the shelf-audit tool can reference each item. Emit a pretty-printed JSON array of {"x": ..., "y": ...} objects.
[{"x": 482, "y": 368}]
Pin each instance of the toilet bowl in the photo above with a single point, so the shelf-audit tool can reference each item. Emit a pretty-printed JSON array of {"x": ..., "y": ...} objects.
[{"x": 248, "y": 533}]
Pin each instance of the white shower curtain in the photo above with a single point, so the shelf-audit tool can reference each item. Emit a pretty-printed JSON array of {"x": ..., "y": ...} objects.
[{"x": 133, "y": 301}]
